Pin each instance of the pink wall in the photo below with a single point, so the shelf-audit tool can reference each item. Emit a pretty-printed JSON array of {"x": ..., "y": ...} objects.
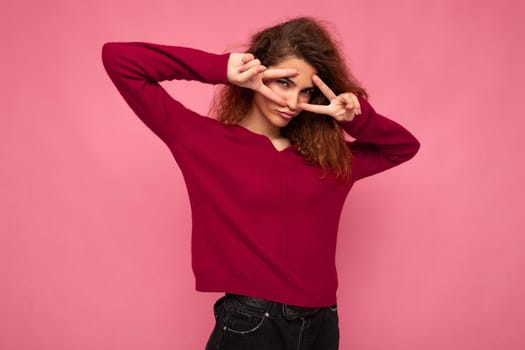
[{"x": 94, "y": 217}]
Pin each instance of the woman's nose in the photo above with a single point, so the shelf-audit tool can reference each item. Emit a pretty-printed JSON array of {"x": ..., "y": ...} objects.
[{"x": 292, "y": 102}]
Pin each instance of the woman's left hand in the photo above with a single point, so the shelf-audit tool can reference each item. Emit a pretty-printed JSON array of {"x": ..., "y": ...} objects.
[{"x": 343, "y": 107}]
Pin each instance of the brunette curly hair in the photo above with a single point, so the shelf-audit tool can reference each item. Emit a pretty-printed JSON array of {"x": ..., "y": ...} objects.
[{"x": 318, "y": 138}]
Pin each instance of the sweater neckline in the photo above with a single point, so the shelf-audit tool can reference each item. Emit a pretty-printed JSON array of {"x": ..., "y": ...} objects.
[{"x": 265, "y": 139}]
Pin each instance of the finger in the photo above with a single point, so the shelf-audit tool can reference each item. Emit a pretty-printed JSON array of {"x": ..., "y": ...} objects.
[
  {"x": 352, "y": 103},
  {"x": 251, "y": 72},
  {"x": 347, "y": 101},
  {"x": 357, "y": 104},
  {"x": 247, "y": 58},
  {"x": 269, "y": 94},
  {"x": 273, "y": 73},
  {"x": 330, "y": 95},
  {"x": 249, "y": 65},
  {"x": 353, "y": 109},
  {"x": 319, "y": 109}
]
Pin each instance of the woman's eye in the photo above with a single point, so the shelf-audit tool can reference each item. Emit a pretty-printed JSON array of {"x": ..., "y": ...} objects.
[
  {"x": 308, "y": 91},
  {"x": 283, "y": 83}
]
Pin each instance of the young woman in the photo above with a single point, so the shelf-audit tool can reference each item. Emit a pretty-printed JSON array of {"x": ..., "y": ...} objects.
[{"x": 267, "y": 179}]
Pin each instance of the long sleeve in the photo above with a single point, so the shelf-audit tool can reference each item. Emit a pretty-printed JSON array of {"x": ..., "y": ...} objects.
[
  {"x": 136, "y": 68},
  {"x": 380, "y": 143}
]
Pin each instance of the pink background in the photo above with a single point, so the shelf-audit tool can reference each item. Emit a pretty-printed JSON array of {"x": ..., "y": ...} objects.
[{"x": 94, "y": 216}]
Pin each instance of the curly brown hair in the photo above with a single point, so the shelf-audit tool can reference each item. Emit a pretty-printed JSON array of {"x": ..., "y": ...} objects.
[{"x": 318, "y": 138}]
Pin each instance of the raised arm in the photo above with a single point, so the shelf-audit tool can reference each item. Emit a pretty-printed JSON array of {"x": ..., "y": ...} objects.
[
  {"x": 380, "y": 143},
  {"x": 136, "y": 68}
]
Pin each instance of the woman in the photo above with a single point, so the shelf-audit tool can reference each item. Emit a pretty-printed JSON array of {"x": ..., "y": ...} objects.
[{"x": 267, "y": 181}]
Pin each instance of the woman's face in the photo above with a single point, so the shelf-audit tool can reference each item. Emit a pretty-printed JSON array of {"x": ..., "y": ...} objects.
[{"x": 293, "y": 90}]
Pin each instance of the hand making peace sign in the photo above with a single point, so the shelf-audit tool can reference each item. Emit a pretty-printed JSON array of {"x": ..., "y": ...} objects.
[
  {"x": 342, "y": 107},
  {"x": 246, "y": 71}
]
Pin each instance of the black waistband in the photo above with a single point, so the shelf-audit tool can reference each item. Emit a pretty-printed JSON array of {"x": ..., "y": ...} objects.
[{"x": 290, "y": 312}]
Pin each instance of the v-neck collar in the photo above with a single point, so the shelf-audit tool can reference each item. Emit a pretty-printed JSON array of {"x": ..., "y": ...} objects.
[{"x": 265, "y": 138}]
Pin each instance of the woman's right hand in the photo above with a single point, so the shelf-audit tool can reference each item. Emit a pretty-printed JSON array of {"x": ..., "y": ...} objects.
[{"x": 246, "y": 71}]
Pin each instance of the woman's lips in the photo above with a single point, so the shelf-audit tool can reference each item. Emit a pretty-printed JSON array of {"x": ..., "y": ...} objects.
[{"x": 286, "y": 115}]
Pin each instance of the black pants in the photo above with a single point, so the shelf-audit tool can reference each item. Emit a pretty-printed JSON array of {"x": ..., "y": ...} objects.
[{"x": 272, "y": 326}]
